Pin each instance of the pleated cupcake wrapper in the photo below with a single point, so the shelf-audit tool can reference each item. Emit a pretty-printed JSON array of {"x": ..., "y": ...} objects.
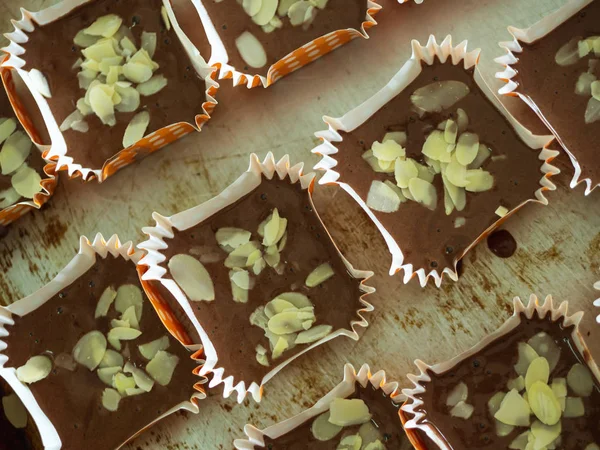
[
  {"x": 77, "y": 267},
  {"x": 48, "y": 184},
  {"x": 300, "y": 57},
  {"x": 512, "y": 88},
  {"x": 255, "y": 438},
  {"x": 402, "y": 80},
  {"x": 166, "y": 228},
  {"x": 413, "y": 418},
  {"x": 597, "y": 301},
  {"x": 154, "y": 141}
]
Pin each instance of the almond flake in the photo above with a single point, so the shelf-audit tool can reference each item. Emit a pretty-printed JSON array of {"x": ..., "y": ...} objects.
[
  {"x": 266, "y": 12},
  {"x": 583, "y": 48},
  {"x": 8, "y": 197},
  {"x": 514, "y": 410},
  {"x": 438, "y": 96},
  {"x": 297, "y": 299},
  {"x": 580, "y": 380},
  {"x": 84, "y": 40},
  {"x": 104, "y": 303},
  {"x": 280, "y": 347},
  {"x": 544, "y": 435},
  {"x": 459, "y": 222},
  {"x": 313, "y": 334},
  {"x": 67, "y": 124},
  {"x": 516, "y": 383},
  {"x": 162, "y": 366},
  {"x": 538, "y": 370},
  {"x": 15, "y": 411},
  {"x": 377, "y": 445},
  {"x": 251, "y": 50},
  {"x": 404, "y": 171},
  {"x": 574, "y": 407},
  {"x": 118, "y": 334},
  {"x": 495, "y": 402},
  {"x": 456, "y": 194},
  {"x": 278, "y": 305},
  {"x": 110, "y": 399},
  {"x": 297, "y": 12},
  {"x": 543, "y": 403},
  {"x": 35, "y": 369},
  {"x": 14, "y": 152},
  {"x": 90, "y": 349},
  {"x": 353, "y": 442},
  {"x": 263, "y": 360},
  {"x": 105, "y": 26},
  {"x": 241, "y": 278},
  {"x": 458, "y": 394},
  {"x": 122, "y": 382},
  {"x": 129, "y": 295},
  {"x": 286, "y": 323},
  {"x": 111, "y": 359},
  {"x": 284, "y": 6},
  {"x": 130, "y": 98},
  {"x": 584, "y": 84},
  {"x": 501, "y": 211},
  {"x": 7, "y": 127},
  {"x": 450, "y": 131},
  {"x": 559, "y": 388},
  {"x": 423, "y": 192},
  {"x": 101, "y": 102},
  {"x": 467, "y": 148},
  {"x": 456, "y": 173},
  {"x": 435, "y": 147},
  {"x": 322, "y": 429},
  {"x": 26, "y": 182},
  {"x": 137, "y": 72},
  {"x": 116, "y": 323},
  {"x": 152, "y": 86},
  {"x": 251, "y": 7},
  {"x": 370, "y": 434},
  {"x": 502, "y": 429},
  {"x": 388, "y": 151},
  {"x": 568, "y": 54},
  {"x": 192, "y": 277},
  {"x": 136, "y": 129},
  {"x": 271, "y": 229},
  {"x": 398, "y": 136},
  {"x": 130, "y": 316},
  {"x": 104, "y": 48},
  {"x": 521, "y": 441},
  {"x": 232, "y": 237},
  {"x": 397, "y": 190},
  {"x": 462, "y": 410},
  {"x": 319, "y": 275},
  {"x": 462, "y": 120},
  {"x": 150, "y": 349},
  {"x": 545, "y": 346},
  {"x": 148, "y": 43},
  {"x": 348, "y": 412},
  {"x": 382, "y": 198},
  {"x": 142, "y": 380},
  {"x": 592, "y": 111}
]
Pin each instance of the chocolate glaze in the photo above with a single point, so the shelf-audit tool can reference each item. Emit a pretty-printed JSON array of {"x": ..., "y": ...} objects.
[
  {"x": 385, "y": 417},
  {"x": 552, "y": 87},
  {"x": 72, "y": 400},
  {"x": 11, "y": 438},
  {"x": 486, "y": 373},
  {"x": 189, "y": 21},
  {"x": 501, "y": 243},
  {"x": 428, "y": 239},
  {"x": 180, "y": 101},
  {"x": 34, "y": 159},
  {"x": 226, "y": 322},
  {"x": 231, "y": 21}
]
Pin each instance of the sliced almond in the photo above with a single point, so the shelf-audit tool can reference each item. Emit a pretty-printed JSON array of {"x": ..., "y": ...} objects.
[
  {"x": 319, "y": 275},
  {"x": 544, "y": 434},
  {"x": 314, "y": 334},
  {"x": 370, "y": 434},
  {"x": 102, "y": 49},
  {"x": 521, "y": 441},
  {"x": 399, "y": 137},
  {"x": 456, "y": 173},
  {"x": 130, "y": 97},
  {"x": 462, "y": 120},
  {"x": 101, "y": 102},
  {"x": 241, "y": 278},
  {"x": 129, "y": 295},
  {"x": 545, "y": 346},
  {"x": 278, "y": 305},
  {"x": 462, "y": 410},
  {"x": 266, "y": 12},
  {"x": 526, "y": 355},
  {"x": 14, "y": 152},
  {"x": 111, "y": 359},
  {"x": 404, "y": 171},
  {"x": 142, "y": 380},
  {"x": 495, "y": 402},
  {"x": 583, "y": 48},
  {"x": 104, "y": 303},
  {"x": 377, "y": 445},
  {"x": 584, "y": 84},
  {"x": 459, "y": 393},
  {"x": 322, "y": 429},
  {"x": 483, "y": 153},
  {"x": 592, "y": 111},
  {"x": 295, "y": 298},
  {"x": 382, "y": 198},
  {"x": 451, "y": 131},
  {"x": 423, "y": 192},
  {"x": 137, "y": 72},
  {"x": 14, "y": 410},
  {"x": 286, "y": 323},
  {"x": 152, "y": 86},
  {"x": 297, "y": 12},
  {"x": 192, "y": 277},
  {"x": 559, "y": 387},
  {"x": 388, "y": 151},
  {"x": 67, "y": 124},
  {"x": 232, "y": 237},
  {"x": 106, "y": 374},
  {"x": 7, "y": 127},
  {"x": 116, "y": 335},
  {"x": 501, "y": 211},
  {"x": 457, "y": 194},
  {"x": 110, "y": 399},
  {"x": 574, "y": 407},
  {"x": 105, "y": 26},
  {"x": 467, "y": 148},
  {"x": 136, "y": 129},
  {"x": 90, "y": 349},
  {"x": 514, "y": 410},
  {"x": 580, "y": 380},
  {"x": 435, "y": 147},
  {"x": 26, "y": 182},
  {"x": 502, "y": 429},
  {"x": 271, "y": 229},
  {"x": 479, "y": 180},
  {"x": 150, "y": 349},
  {"x": 280, "y": 346},
  {"x": 543, "y": 403},
  {"x": 162, "y": 367},
  {"x": 569, "y": 53},
  {"x": 262, "y": 359},
  {"x": 538, "y": 370},
  {"x": 35, "y": 369},
  {"x": 148, "y": 43},
  {"x": 259, "y": 318},
  {"x": 284, "y": 6},
  {"x": 348, "y": 412},
  {"x": 438, "y": 96},
  {"x": 516, "y": 383},
  {"x": 130, "y": 315},
  {"x": 122, "y": 382},
  {"x": 352, "y": 442},
  {"x": 239, "y": 294},
  {"x": 84, "y": 40},
  {"x": 251, "y": 50}
]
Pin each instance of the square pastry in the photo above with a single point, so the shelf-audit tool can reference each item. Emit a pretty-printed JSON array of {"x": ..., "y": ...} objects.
[
  {"x": 89, "y": 357},
  {"x": 434, "y": 163},
  {"x": 255, "y": 275}
]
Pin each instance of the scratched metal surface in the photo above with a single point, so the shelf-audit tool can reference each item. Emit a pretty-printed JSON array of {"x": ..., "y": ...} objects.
[{"x": 559, "y": 245}]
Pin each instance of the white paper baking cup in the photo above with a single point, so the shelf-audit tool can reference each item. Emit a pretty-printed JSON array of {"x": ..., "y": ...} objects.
[
  {"x": 358, "y": 116},
  {"x": 165, "y": 229},
  {"x": 293, "y": 61},
  {"x": 597, "y": 301},
  {"x": 511, "y": 88},
  {"x": 58, "y": 150},
  {"x": 79, "y": 265},
  {"x": 535, "y": 306},
  {"x": 255, "y": 438}
]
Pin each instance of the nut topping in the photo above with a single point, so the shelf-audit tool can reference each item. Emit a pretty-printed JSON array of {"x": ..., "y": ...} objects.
[
  {"x": 346, "y": 412},
  {"x": 14, "y": 410},
  {"x": 191, "y": 275},
  {"x": 35, "y": 369}
]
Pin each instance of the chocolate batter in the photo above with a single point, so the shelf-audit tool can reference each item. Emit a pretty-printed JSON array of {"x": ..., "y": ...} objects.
[
  {"x": 552, "y": 87},
  {"x": 385, "y": 417},
  {"x": 72, "y": 400},
  {"x": 428, "y": 239},
  {"x": 486, "y": 373},
  {"x": 501, "y": 243},
  {"x": 180, "y": 101},
  {"x": 230, "y": 21},
  {"x": 226, "y": 322},
  {"x": 34, "y": 160}
]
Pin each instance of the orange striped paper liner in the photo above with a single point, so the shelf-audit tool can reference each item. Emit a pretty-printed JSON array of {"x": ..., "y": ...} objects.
[
  {"x": 302, "y": 56},
  {"x": 14, "y": 212}
]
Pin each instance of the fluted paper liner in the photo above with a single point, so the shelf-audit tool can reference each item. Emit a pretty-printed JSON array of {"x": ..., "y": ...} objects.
[
  {"x": 300, "y": 57},
  {"x": 597, "y": 301},
  {"x": 48, "y": 184},
  {"x": 413, "y": 418},
  {"x": 511, "y": 88},
  {"x": 166, "y": 227},
  {"x": 356, "y": 117},
  {"x": 255, "y": 438},
  {"x": 77, "y": 267},
  {"x": 150, "y": 143}
]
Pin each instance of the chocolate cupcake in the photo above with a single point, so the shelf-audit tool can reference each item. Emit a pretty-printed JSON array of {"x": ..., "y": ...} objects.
[
  {"x": 360, "y": 412},
  {"x": 531, "y": 384},
  {"x": 555, "y": 62},
  {"x": 26, "y": 180},
  {"x": 88, "y": 356},
  {"x": 434, "y": 163},
  {"x": 256, "y": 276},
  {"x": 258, "y": 42},
  {"x": 127, "y": 83}
]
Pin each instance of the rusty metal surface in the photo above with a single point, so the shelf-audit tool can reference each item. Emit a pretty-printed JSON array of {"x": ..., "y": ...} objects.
[{"x": 558, "y": 245}]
